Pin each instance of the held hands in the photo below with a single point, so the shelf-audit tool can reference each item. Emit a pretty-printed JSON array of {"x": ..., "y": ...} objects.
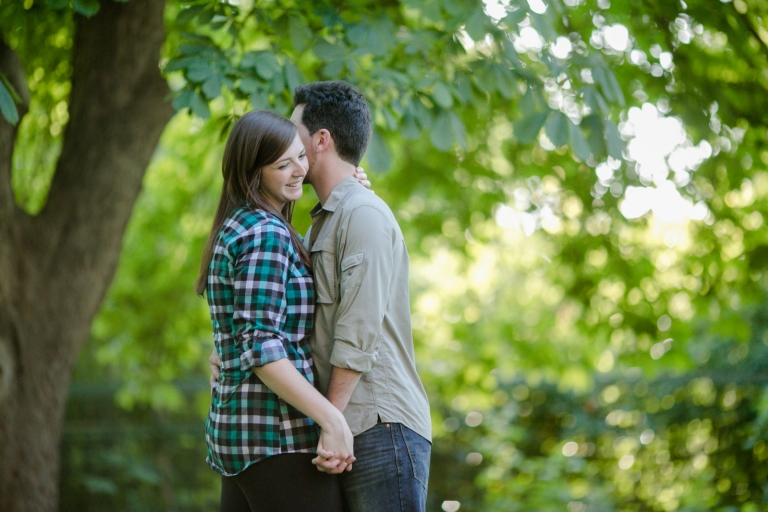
[{"x": 333, "y": 441}]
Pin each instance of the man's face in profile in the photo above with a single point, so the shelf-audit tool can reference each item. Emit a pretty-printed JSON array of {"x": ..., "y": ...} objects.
[{"x": 306, "y": 139}]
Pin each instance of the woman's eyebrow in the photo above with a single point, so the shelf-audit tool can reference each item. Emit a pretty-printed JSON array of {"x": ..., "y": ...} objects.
[{"x": 288, "y": 158}]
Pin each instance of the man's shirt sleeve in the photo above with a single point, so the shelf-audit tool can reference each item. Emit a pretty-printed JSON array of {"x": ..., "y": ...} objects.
[
  {"x": 366, "y": 259},
  {"x": 261, "y": 271}
]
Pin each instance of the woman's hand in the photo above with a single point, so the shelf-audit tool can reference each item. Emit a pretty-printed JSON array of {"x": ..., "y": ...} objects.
[
  {"x": 286, "y": 382},
  {"x": 215, "y": 366},
  {"x": 362, "y": 177},
  {"x": 335, "y": 448}
]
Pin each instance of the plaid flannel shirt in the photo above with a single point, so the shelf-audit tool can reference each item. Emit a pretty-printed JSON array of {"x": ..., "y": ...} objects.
[{"x": 262, "y": 300}]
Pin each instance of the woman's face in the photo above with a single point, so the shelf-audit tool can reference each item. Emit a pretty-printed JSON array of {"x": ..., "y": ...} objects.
[{"x": 281, "y": 180}]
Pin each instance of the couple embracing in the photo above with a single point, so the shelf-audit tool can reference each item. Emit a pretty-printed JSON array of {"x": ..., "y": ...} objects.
[{"x": 317, "y": 406}]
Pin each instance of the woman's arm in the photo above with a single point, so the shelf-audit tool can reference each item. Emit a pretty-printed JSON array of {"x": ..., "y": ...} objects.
[
  {"x": 261, "y": 273},
  {"x": 325, "y": 461},
  {"x": 286, "y": 382}
]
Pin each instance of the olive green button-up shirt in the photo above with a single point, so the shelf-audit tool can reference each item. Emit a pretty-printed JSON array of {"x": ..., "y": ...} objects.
[{"x": 362, "y": 313}]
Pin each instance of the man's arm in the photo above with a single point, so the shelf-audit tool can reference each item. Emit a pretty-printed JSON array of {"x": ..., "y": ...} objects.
[
  {"x": 366, "y": 265},
  {"x": 340, "y": 389},
  {"x": 343, "y": 383},
  {"x": 365, "y": 262}
]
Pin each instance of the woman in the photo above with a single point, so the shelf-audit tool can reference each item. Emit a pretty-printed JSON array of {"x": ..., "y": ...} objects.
[{"x": 261, "y": 428}]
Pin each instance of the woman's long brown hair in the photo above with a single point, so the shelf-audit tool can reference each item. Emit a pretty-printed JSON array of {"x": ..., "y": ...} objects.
[{"x": 257, "y": 139}]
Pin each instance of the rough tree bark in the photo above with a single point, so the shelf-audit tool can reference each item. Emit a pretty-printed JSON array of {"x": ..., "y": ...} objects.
[{"x": 55, "y": 267}]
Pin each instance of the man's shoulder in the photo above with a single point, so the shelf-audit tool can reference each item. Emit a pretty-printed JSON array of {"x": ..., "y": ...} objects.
[{"x": 362, "y": 197}]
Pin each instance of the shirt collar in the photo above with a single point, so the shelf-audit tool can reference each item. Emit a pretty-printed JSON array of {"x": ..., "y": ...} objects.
[{"x": 338, "y": 193}]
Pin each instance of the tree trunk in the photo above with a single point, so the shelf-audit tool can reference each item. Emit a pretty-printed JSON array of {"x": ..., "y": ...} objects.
[{"x": 55, "y": 268}]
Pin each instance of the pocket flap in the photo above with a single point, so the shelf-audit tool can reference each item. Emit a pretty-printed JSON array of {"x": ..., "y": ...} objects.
[
  {"x": 324, "y": 244},
  {"x": 351, "y": 261}
]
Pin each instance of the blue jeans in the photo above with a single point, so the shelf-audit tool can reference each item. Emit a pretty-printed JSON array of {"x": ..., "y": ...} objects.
[{"x": 390, "y": 473}]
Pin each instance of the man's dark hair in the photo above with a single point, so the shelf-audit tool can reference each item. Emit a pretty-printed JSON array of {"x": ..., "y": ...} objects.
[{"x": 342, "y": 110}]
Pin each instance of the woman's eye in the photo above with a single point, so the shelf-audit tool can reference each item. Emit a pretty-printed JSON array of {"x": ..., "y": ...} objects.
[
  {"x": 303, "y": 155},
  {"x": 284, "y": 166}
]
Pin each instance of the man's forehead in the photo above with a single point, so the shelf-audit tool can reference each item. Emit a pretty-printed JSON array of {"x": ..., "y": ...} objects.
[{"x": 297, "y": 114}]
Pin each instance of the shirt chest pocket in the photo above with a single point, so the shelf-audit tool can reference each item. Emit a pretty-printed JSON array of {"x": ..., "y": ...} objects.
[{"x": 324, "y": 270}]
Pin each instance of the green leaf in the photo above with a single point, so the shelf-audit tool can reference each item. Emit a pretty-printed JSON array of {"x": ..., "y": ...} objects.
[
  {"x": 300, "y": 34},
  {"x": 613, "y": 141},
  {"x": 598, "y": 73},
  {"x": 205, "y": 16},
  {"x": 410, "y": 129},
  {"x": 199, "y": 107},
  {"x": 57, "y": 4},
  {"x": 531, "y": 102},
  {"x": 593, "y": 125},
  {"x": 557, "y": 128},
  {"x": 182, "y": 100},
  {"x": 327, "y": 51},
  {"x": 86, "y": 7},
  {"x": 293, "y": 77},
  {"x": 333, "y": 68},
  {"x": 357, "y": 34},
  {"x": 475, "y": 26},
  {"x": 609, "y": 84},
  {"x": 212, "y": 87},
  {"x": 614, "y": 84},
  {"x": 177, "y": 64},
  {"x": 259, "y": 99},
  {"x": 7, "y": 105},
  {"x": 595, "y": 100},
  {"x": 199, "y": 71},
  {"x": 515, "y": 17},
  {"x": 512, "y": 55},
  {"x": 528, "y": 128},
  {"x": 543, "y": 26},
  {"x": 458, "y": 130},
  {"x": 442, "y": 95},
  {"x": 442, "y": 132},
  {"x": 277, "y": 83},
  {"x": 504, "y": 81},
  {"x": 188, "y": 14},
  {"x": 266, "y": 65},
  {"x": 248, "y": 85},
  {"x": 578, "y": 142},
  {"x": 378, "y": 154},
  {"x": 389, "y": 118},
  {"x": 191, "y": 49}
]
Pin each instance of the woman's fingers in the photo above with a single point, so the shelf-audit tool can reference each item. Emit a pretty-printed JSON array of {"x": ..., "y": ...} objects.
[{"x": 362, "y": 177}]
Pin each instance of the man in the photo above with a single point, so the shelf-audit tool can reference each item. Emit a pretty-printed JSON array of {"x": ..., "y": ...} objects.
[{"x": 362, "y": 343}]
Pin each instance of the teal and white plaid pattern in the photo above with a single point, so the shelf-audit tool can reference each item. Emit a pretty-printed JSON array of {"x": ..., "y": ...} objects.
[{"x": 262, "y": 302}]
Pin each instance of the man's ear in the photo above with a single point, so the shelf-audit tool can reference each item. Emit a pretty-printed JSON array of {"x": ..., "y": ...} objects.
[{"x": 322, "y": 140}]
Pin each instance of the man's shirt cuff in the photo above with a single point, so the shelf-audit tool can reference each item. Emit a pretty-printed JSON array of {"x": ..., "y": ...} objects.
[{"x": 348, "y": 357}]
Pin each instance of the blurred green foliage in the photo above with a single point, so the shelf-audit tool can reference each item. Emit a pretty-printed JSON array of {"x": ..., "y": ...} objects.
[{"x": 575, "y": 359}]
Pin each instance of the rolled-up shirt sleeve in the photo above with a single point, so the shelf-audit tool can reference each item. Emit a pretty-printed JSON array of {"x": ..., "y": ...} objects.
[
  {"x": 366, "y": 259},
  {"x": 261, "y": 273}
]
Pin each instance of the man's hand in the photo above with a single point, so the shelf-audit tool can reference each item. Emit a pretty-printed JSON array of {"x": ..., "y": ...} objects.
[
  {"x": 327, "y": 463},
  {"x": 215, "y": 368}
]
